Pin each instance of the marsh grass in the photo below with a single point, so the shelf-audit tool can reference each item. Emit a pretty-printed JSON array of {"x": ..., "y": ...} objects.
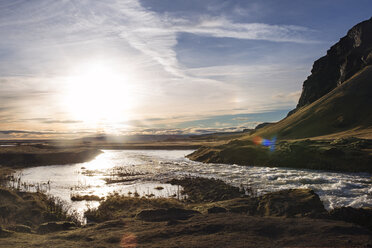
[
  {"x": 33, "y": 208},
  {"x": 121, "y": 174},
  {"x": 78, "y": 197},
  {"x": 198, "y": 189},
  {"x": 119, "y": 206}
]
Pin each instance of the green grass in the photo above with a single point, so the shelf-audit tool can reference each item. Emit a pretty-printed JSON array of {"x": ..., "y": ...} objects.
[
  {"x": 345, "y": 110},
  {"x": 352, "y": 154}
]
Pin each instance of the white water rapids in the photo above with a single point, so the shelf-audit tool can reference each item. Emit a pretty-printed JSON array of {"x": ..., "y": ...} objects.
[{"x": 149, "y": 169}]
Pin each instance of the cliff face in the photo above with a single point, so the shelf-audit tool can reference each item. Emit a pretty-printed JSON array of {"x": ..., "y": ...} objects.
[{"x": 351, "y": 54}]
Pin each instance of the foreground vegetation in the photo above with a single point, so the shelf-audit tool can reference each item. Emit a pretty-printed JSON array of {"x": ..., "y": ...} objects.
[{"x": 285, "y": 218}]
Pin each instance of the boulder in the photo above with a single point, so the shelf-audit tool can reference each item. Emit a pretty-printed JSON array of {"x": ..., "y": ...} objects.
[
  {"x": 291, "y": 203},
  {"x": 166, "y": 214},
  {"x": 214, "y": 210},
  {"x": 55, "y": 226},
  {"x": 5, "y": 233},
  {"x": 359, "y": 216},
  {"x": 21, "y": 228}
]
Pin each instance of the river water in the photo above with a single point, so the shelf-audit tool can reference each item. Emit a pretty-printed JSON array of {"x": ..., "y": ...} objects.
[{"x": 145, "y": 172}]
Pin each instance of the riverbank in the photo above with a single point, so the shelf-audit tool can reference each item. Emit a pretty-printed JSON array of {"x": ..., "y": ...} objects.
[
  {"x": 22, "y": 156},
  {"x": 289, "y": 218},
  {"x": 345, "y": 154}
]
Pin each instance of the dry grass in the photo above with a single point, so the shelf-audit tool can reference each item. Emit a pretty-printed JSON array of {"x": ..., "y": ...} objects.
[
  {"x": 77, "y": 197},
  {"x": 31, "y": 208},
  {"x": 118, "y": 206}
]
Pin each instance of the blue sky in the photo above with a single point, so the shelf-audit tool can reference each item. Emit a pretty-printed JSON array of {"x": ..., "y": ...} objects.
[{"x": 159, "y": 66}]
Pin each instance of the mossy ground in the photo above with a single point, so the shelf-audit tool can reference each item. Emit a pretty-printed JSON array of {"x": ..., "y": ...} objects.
[{"x": 348, "y": 154}]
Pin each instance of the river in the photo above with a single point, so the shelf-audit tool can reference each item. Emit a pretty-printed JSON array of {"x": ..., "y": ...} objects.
[{"x": 145, "y": 172}]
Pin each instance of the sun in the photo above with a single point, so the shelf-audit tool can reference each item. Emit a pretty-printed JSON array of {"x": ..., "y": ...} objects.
[{"x": 98, "y": 93}]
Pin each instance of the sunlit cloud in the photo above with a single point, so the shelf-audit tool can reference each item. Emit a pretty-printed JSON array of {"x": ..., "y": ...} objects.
[{"x": 45, "y": 44}]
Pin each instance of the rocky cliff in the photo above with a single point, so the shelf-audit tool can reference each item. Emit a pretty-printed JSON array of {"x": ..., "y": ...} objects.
[{"x": 348, "y": 56}]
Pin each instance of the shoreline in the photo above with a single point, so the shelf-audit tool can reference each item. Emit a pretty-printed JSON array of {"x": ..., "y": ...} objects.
[{"x": 224, "y": 215}]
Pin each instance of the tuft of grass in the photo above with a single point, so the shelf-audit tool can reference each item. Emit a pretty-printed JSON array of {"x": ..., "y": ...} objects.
[
  {"x": 32, "y": 209},
  {"x": 77, "y": 197},
  {"x": 118, "y": 206},
  {"x": 207, "y": 189}
]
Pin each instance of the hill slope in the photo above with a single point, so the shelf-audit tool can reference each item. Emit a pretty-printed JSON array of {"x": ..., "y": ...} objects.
[
  {"x": 346, "y": 108},
  {"x": 335, "y": 107}
]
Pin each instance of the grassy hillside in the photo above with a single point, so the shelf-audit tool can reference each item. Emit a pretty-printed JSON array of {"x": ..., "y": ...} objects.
[
  {"x": 332, "y": 133},
  {"x": 346, "y": 110}
]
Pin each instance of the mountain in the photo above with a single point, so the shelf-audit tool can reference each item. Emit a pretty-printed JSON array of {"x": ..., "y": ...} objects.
[
  {"x": 348, "y": 56},
  {"x": 331, "y": 127},
  {"x": 346, "y": 109}
]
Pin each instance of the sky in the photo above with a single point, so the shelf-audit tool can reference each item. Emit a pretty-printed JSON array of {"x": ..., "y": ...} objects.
[{"x": 76, "y": 67}]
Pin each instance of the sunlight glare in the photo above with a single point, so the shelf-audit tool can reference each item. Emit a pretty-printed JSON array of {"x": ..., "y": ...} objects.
[{"x": 99, "y": 93}]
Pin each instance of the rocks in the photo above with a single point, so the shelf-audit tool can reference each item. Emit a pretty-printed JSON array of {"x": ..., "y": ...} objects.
[
  {"x": 5, "y": 233},
  {"x": 21, "y": 228},
  {"x": 55, "y": 226},
  {"x": 166, "y": 214},
  {"x": 206, "y": 189},
  {"x": 291, "y": 203},
  {"x": 360, "y": 216},
  {"x": 261, "y": 125},
  {"x": 351, "y": 54},
  {"x": 284, "y": 203},
  {"x": 215, "y": 210}
]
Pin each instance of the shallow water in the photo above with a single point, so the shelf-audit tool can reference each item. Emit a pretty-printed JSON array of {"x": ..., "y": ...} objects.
[{"x": 144, "y": 170}]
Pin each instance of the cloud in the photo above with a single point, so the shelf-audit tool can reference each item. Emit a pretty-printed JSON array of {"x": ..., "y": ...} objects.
[
  {"x": 52, "y": 121},
  {"x": 288, "y": 97},
  {"x": 187, "y": 131},
  {"x": 222, "y": 27},
  {"x": 241, "y": 118},
  {"x": 42, "y": 40}
]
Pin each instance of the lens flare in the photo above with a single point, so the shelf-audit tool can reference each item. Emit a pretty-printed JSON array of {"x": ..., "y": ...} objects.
[
  {"x": 265, "y": 142},
  {"x": 129, "y": 240}
]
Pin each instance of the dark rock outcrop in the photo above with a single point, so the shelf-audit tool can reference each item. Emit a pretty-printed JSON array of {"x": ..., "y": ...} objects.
[
  {"x": 291, "y": 203},
  {"x": 359, "y": 216},
  {"x": 5, "y": 233},
  {"x": 21, "y": 228},
  {"x": 215, "y": 210},
  {"x": 284, "y": 203},
  {"x": 348, "y": 56},
  {"x": 166, "y": 214},
  {"x": 261, "y": 125},
  {"x": 206, "y": 189}
]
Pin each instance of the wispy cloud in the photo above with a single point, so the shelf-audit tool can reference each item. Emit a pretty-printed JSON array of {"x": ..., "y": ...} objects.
[
  {"x": 222, "y": 27},
  {"x": 42, "y": 40}
]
